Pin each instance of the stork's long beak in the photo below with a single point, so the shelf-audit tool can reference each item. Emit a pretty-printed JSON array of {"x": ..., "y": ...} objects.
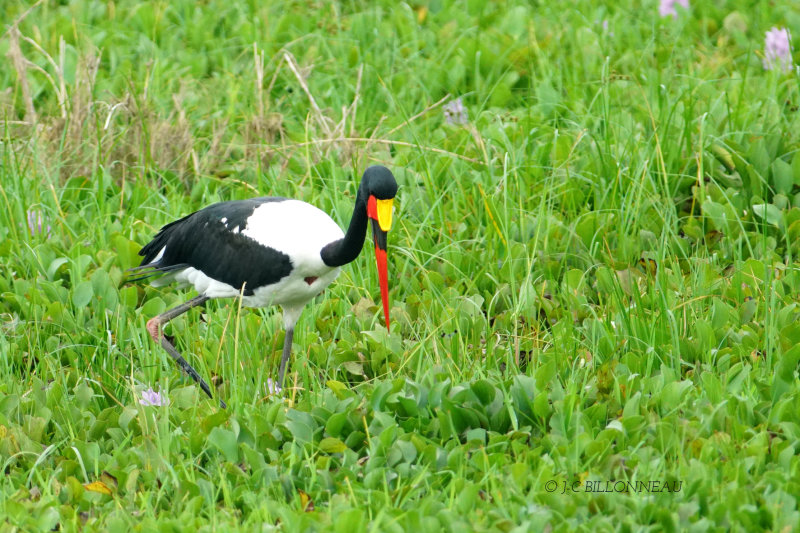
[{"x": 380, "y": 213}]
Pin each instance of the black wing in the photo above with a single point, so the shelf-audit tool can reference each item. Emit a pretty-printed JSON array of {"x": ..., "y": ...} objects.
[{"x": 218, "y": 249}]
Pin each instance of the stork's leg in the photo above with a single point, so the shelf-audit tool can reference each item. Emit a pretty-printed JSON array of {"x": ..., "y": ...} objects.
[
  {"x": 290, "y": 315},
  {"x": 287, "y": 351},
  {"x": 154, "y": 328}
]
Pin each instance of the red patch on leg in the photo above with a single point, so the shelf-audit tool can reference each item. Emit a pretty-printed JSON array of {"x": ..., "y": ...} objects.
[
  {"x": 310, "y": 279},
  {"x": 152, "y": 328}
]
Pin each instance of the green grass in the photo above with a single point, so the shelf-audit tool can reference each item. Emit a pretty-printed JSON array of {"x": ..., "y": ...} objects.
[{"x": 594, "y": 280}]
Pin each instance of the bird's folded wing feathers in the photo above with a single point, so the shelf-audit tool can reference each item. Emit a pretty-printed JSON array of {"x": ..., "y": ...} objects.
[{"x": 211, "y": 240}]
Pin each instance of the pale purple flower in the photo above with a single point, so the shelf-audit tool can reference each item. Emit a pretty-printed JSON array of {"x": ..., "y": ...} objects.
[
  {"x": 667, "y": 7},
  {"x": 604, "y": 25},
  {"x": 151, "y": 397},
  {"x": 777, "y": 50},
  {"x": 455, "y": 112},
  {"x": 273, "y": 387},
  {"x": 35, "y": 223}
]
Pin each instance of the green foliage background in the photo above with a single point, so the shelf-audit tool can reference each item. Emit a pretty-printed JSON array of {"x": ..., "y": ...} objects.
[{"x": 594, "y": 279}]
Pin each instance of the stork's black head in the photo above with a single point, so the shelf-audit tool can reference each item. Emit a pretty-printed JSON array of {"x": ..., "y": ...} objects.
[{"x": 379, "y": 182}]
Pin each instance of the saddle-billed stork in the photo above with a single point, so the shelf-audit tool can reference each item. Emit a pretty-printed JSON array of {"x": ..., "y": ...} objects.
[{"x": 270, "y": 250}]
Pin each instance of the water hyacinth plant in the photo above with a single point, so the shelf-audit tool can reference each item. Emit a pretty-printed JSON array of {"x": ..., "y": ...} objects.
[
  {"x": 667, "y": 7},
  {"x": 272, "y": 387},
  {"x": 153, "y": 398},
  {"x": 778, "y": 50},
  {"x": 36, "y": 223},
  {"x": 455, "y": 112}
]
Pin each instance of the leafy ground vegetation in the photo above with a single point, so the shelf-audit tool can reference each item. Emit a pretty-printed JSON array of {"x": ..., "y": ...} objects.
[{"x": 594, "y": 266}]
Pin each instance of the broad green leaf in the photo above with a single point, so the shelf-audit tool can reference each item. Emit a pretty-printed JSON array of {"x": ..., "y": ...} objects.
[
  {"x": 350, "y": 521},
  {"x": 796, "y": 168},
  {"x": 782, "y": 178},
  {"x": 723, "y": 156},
  {"x": 54, "y": 266},
  {"x": 787, "y": 364},
  {"x": 224, "y": 440},
  {"x": 409, "y": 405},
  {"x": 332, "y": 445},
  {"x": 82, "y": 294},
  {"x": 674, "y": 394},
  {"x": 335, "y": 424},
  {"x": 154, "y": 306},
  {"x": 717, "y": 213},
  {"x": 300, "y": 425},
  {"x": 127, "y": 251},
  {"x": 354, "y": 367},
  {"x": 768, "y": 213},
  {"x": 484, "y": 391}
]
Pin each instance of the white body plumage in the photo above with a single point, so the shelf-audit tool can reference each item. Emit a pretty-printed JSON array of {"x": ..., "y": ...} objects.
[{"x": 291, "y": 227}]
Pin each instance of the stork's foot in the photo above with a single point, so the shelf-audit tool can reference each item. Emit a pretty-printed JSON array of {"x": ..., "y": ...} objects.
[{"x": 154, "y": 329}]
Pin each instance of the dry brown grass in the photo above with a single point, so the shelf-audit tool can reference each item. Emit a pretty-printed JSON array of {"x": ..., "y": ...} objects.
[
  {"x": 86, "y": 131},
  {"x": 128, "y": 135}
]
